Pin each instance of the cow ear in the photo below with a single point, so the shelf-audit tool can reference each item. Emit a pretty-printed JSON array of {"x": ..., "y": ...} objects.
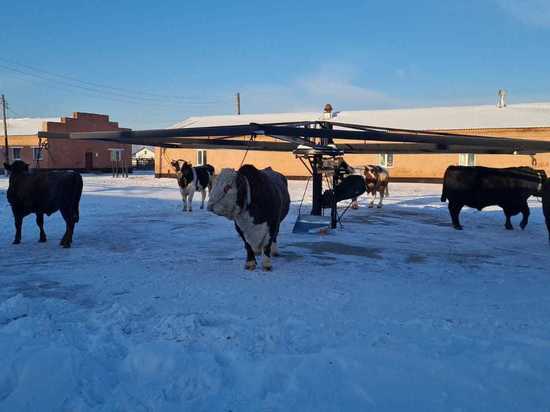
[
  {"x": 241, "y": 191},
  {"x": 7, "y": 167}
]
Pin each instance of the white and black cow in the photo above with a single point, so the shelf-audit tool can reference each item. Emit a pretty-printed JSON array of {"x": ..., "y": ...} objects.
[
  {"x": 257, "y": 201},
  {"x": 191, "y": 179},
  {"x": 479, "y": 187}
]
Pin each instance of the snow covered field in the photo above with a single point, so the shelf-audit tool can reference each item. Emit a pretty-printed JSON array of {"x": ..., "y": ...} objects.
[{"x": 151, "y": 310}]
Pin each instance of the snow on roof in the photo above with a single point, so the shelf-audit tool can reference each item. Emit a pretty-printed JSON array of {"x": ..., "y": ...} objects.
[
  {"x": 231, "y": 120},
  {"x": 432, "y": 118},
  {"x": 28, "y": 126}
]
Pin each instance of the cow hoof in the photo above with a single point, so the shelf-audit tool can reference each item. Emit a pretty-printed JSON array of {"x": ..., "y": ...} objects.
[
  {"x": 523, "y": 226},
  {"x": 66, "y": 246},
  {"x": 371, "y": 206},
  {"x": 379, "y": 207},
  {"x": 16, "y": 242},
  {"x": 458, "y": 227},
  {"x": 42, "y": 240},
  {"x": 250, "y": 265},
  {"x": 509, "y": 227},
  {"x": 266, "y": 264}
]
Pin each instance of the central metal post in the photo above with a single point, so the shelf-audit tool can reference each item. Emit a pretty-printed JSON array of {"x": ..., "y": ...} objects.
[
  {"x": 317, "y": 202},
  {"x": 334, "y": 204}
]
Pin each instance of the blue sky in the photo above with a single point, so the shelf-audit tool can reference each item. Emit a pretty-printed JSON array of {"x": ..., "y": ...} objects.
[{"x": 151, "y": 64}]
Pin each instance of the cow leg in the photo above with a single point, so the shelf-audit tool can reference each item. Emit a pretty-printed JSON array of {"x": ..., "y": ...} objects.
[
  {"x": 454, "y": 210},
  {"x": 190, "y": 201},
  {"x": 381, "y": 198},
  {"x": 18, "y": 218},
  {"x": 67, "y": 238},
  {"x": 266, "y": 260},
  {"x": 274, "y": 249},
  {"x": 371, "y": 204},
  {"x": 203, "y": 195},
  {"x": 354, "y": 204},
  {"x": 508, "y": 224},
  {"x": 183, "y": 200},
  {"x": 525, "y": 212},
  {"x": 40, "y": 223},
  {"x": 250, "y": 256}
]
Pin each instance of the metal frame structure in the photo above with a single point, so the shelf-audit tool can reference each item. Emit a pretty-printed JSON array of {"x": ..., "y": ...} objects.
[{"x": 313, "y": 141}]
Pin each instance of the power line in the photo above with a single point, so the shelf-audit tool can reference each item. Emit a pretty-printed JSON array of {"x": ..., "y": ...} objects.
[
  {"x": 11, "y": 65},
  {"x": 106, "y": 94}
]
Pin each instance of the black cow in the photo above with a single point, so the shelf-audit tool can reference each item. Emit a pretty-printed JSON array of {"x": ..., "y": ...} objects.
[
  {"x": 546, "y": 204},
  {"x": 257, "y": 201},
  {"x": 479, "y": 187},
  {"x": 191, "y": 179},
  {"x": 44, "y": 192}
]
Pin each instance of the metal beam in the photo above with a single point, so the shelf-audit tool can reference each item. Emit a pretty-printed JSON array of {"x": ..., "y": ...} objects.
[
  {"x": 411, "y": 142},
  {"x": 378, "y": 135}
]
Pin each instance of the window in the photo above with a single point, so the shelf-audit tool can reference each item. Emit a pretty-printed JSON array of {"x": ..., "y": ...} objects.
[
  {"x": 37, "y": 153},
  {"x": 201, "y": 157},
  {"x": 467, "y": 159},
  {"x": 385, "y": 159},
  {"x": 16, "y": 153},
  {"x": 116, "y": 155}
]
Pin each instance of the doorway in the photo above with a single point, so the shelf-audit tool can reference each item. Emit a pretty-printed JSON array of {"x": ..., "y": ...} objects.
[{"x": 89, "y": 160}]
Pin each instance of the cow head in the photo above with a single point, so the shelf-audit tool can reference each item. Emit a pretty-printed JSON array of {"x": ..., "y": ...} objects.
[
  {"x": 370, "y": 175},
  {"x": 176, "y": 165},
  {"x": 223, "y": 199},
  {"x": 543, "y": 178},
  {"x": 17, "y": 166},
  {"x": 182, "y": 168}
]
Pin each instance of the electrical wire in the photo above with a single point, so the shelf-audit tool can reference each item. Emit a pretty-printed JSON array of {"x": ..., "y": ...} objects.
[
  {"x": 108, "y": 92},
  {"x": 141, "y": 94}
]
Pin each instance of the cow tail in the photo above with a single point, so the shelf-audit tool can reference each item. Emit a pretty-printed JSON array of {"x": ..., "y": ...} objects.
[
  {"x": 387, "y": 190},
  {"x": 444, "y": 194},
  {"x": 77, "y": 195}
]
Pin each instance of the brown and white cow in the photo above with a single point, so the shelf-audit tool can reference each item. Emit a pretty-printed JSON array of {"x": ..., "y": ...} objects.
[
  {"x": 257, "y": 201},
  {"x": 191, "y": 179},
  {"x": 377, "y": 179}
]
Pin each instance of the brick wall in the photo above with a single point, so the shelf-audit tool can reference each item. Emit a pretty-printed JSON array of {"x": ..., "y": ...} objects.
[
  {"x": 69, "y": 154},
  {"x": 64, "y": 154}
]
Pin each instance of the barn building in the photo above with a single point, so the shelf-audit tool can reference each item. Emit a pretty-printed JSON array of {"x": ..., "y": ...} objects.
[
  {"x": 524, "y": 121},
  {"x": 25, "y": 144}
]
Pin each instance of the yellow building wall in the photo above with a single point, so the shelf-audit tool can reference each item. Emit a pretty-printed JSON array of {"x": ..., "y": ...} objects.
[{"x": 26, "y": 143}]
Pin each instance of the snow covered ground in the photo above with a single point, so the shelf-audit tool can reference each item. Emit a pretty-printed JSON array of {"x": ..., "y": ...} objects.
[{"x": 152, "y": 310}]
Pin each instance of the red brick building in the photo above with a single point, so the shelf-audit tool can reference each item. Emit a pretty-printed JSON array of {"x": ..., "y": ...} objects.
[{"x": 24, "y": 143}]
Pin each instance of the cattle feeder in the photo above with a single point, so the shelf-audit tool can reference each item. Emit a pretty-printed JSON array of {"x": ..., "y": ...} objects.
[{"x": 317, "y": 144}]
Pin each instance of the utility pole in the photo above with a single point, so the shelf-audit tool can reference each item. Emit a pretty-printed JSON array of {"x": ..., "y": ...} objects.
[
  {"x": 238, "y": 102},
  {"x": 6, "y": 147}
]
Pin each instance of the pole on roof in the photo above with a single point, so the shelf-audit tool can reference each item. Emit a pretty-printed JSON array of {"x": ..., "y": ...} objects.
[
  {"x": 238, "y": 102},
  {"x": 6, "y": 146}
]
